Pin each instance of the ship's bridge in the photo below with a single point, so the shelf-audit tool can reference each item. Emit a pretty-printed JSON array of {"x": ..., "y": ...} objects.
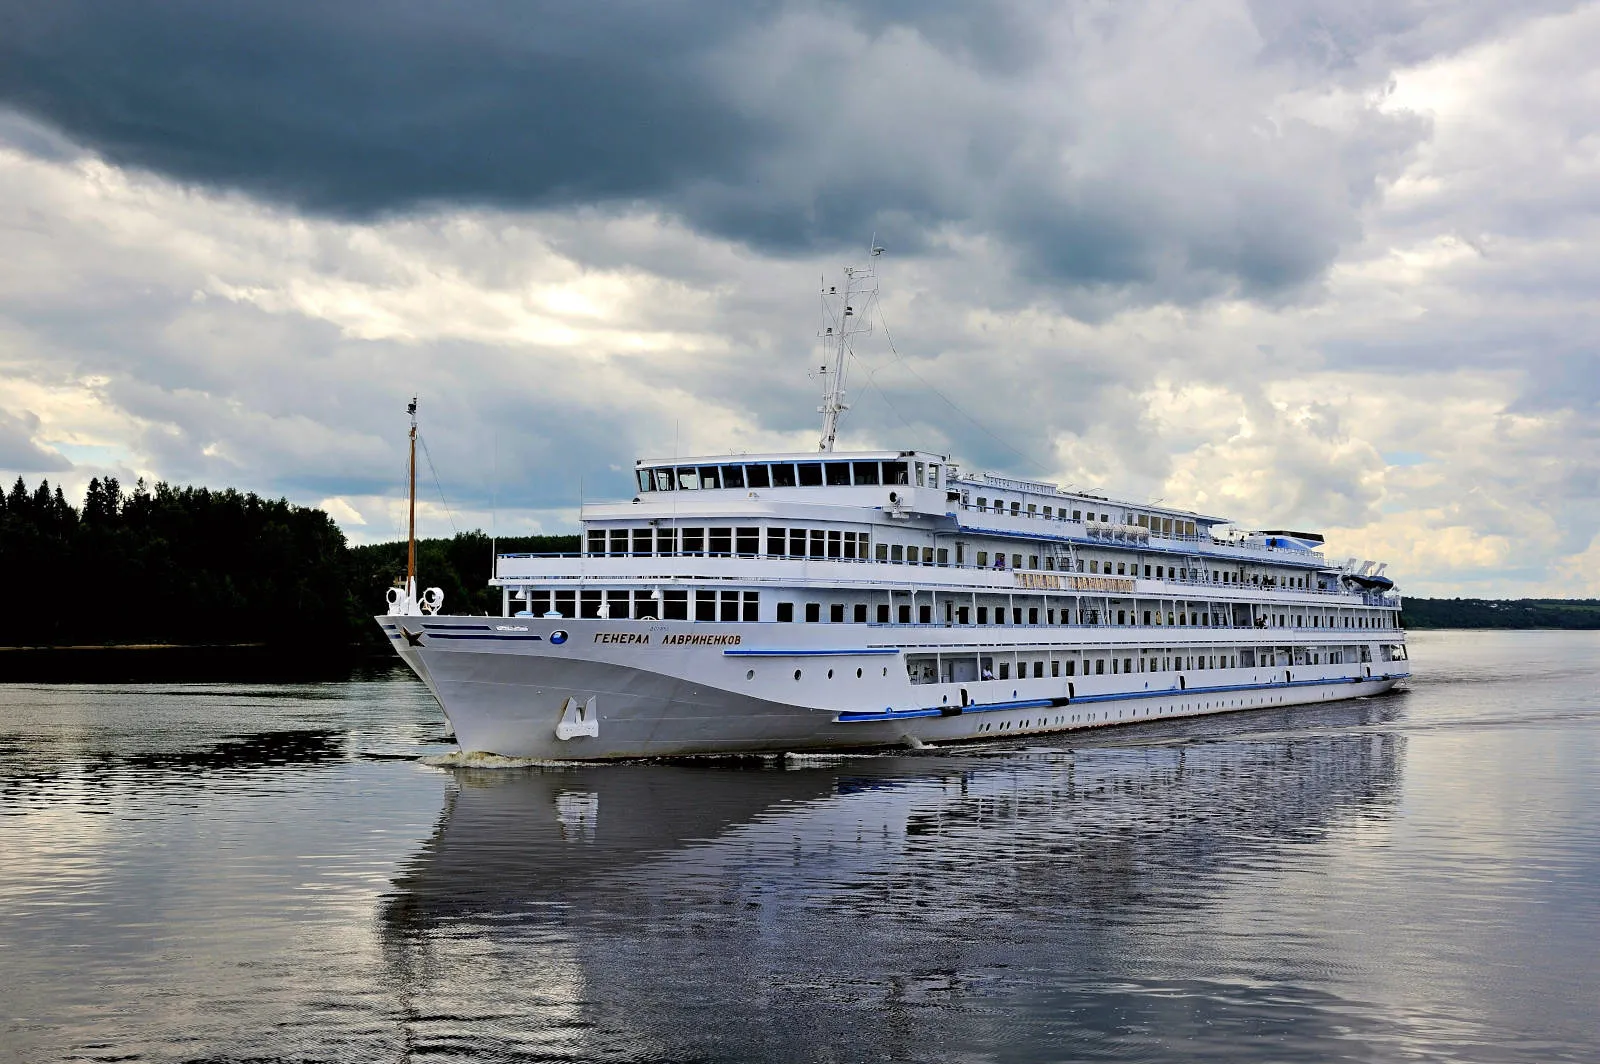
[{"x": 806, "y": 469}]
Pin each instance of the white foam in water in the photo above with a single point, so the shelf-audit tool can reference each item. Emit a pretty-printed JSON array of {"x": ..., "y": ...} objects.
[{"x": 484, "y": 759}]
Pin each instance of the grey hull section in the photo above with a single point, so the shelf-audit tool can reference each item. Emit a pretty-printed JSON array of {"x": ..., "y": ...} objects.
[
  {"x": 513, "y": 687},
  {"x": 511, "y": 705}
]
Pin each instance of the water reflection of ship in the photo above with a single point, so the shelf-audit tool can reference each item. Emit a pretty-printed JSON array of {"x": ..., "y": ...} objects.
[{"x": 635, "y": 888}]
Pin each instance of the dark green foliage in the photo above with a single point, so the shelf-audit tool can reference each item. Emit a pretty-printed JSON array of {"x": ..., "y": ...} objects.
[
  {"x": 1501, "y": 613},
  {"x": 194, "y": 566},
  {"x": 169, "y": 565}
]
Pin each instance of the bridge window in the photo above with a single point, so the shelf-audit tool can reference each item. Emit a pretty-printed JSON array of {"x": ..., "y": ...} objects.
[
  {"x": 865, "y": 472},
  {"x": 783, "y": 475},
  {"x": 838, "y": 474},
  {"x": 895, "y": 473},
  {"x": 810, "y": 474},
  {"x": 756, "y": 476},
  {"x": 646, "y": 481},
  {"x": 733, "y": 476}
]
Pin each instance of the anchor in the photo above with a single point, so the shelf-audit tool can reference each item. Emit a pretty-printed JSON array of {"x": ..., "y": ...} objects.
[{"x": 578, "y": 719}]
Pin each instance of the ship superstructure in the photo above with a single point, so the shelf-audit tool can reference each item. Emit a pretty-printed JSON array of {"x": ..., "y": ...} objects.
[{"x": 824, "y": 599}]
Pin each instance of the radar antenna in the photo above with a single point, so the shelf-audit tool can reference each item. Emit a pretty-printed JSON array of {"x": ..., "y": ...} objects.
[{"x": 847, "y": 311}]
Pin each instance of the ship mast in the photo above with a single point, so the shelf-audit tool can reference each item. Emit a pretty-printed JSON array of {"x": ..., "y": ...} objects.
[
  {"x": 849, "y": 319},
  {"x": 411, "y": 523}
]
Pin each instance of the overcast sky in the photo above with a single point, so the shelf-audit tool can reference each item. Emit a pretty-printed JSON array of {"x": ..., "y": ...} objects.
[{"x": 1318, "y": 263}]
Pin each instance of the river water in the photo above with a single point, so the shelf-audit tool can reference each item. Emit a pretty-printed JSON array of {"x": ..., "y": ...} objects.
[{"x": 233, "y": 872}]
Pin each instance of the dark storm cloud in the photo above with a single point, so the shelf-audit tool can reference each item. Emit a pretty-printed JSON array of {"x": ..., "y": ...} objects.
[
  {"x": 360, "y": 107},
  {"x": 1129, "y": 147}
]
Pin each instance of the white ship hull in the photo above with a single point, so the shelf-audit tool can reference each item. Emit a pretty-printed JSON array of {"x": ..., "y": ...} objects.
[{"x": 616, "y": 689}]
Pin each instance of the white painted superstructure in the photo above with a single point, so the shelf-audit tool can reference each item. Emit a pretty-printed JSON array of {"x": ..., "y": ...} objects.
[{"x": 826, "y": 599}]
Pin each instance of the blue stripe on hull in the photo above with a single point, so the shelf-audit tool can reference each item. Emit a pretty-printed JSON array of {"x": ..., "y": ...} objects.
[{"x": 808, "y": 653}]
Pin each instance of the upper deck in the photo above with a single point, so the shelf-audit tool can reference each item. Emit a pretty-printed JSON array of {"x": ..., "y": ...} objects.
[{"x": 923, "y": 488}]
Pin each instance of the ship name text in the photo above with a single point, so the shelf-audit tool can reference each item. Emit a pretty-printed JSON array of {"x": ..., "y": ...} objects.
[
  {"x": 673, "y": 639},
  {"x": 1057, "y": 582}
]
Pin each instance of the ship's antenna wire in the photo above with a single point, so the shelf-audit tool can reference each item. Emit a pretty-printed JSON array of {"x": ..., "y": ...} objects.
[
  {"x": 442, "y": 500},
  {"x": 494, "y": 505},
  {"x": 872, "y": 381},
  {"x": 903, "y": 361}
]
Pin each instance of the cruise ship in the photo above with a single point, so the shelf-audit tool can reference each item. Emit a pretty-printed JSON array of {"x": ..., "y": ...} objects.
[{"x": 821, "y": 600}]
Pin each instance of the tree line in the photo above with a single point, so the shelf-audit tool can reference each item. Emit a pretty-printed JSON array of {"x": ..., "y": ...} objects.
[
  {"x": 1501, "y": 613},
  {"x": 192, "y": 566},
  {"x": 165, "y": 564}
]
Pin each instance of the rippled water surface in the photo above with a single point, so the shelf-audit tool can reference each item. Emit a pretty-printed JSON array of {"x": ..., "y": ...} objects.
[{"x": 264, "y": 872}]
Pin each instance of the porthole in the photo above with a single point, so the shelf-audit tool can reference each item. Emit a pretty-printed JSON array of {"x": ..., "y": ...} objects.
[
  {"x": 750, "y": 674},
  {"x": 830, "y": 674},
  {"x": 858, "y": 674},
  {"x": 797, "y": 674},
  {"x": 886, "y": 670}
]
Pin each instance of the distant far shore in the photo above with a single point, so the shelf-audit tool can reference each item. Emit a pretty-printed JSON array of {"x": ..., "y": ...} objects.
[{"x": 1421, "y": 614}]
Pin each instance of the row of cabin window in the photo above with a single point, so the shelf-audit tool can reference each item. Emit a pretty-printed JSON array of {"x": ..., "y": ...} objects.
[
  {"x": 743, "y": 541},
  {"x": 787, "y": 475},
  {"x": 946, "y": 668},
  {"x": 1165, "y": 526},
  {"x": 674, "y": 604},
  {"x": 922, "y": 669},
  {"x": 831, "y": 543},
  {"x": 1031, "y": 615},
  {"x": 958, "y": 614}
]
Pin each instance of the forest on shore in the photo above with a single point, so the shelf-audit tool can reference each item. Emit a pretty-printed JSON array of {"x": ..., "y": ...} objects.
[{"x": 169, "y": 565}]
